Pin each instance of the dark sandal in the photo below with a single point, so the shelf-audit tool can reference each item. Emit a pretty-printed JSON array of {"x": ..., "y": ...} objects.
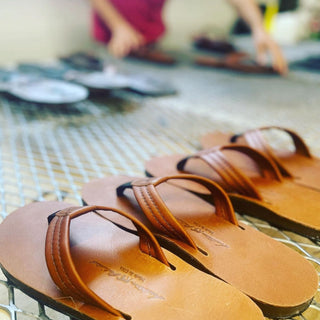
[
  {"x": 237, "y": 61},
  {"x": 213, "y": 45},
  {"x": 277, "y": 278}
]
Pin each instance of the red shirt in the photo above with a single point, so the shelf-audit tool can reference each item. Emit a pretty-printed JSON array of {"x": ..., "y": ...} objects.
[{"x": 144, "y": 15}]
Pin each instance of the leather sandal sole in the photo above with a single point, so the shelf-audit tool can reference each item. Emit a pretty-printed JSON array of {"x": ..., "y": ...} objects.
[
  {"x": 101, "y": 264},
  {"x": 284, "y": 282}
]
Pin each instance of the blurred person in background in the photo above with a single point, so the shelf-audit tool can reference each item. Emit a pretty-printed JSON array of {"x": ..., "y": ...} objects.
[{"x": 127, "y": 25}]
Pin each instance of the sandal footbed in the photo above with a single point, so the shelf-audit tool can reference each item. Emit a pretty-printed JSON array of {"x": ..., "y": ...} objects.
[
  {"x": 276, "y": 277},
  {"x": 109, "y": 261}
]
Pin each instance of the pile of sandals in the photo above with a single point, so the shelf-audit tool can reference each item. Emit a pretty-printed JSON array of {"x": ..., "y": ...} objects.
[{"x": 169, "y": 245}]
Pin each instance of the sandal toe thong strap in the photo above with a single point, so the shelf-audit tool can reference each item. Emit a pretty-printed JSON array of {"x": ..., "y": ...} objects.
[
  {"x": 158, "y": 213},
  {"x": 232, "y": 176},
  {"x": 59, "y": 260},
  {"x": 256, "y": 140}
]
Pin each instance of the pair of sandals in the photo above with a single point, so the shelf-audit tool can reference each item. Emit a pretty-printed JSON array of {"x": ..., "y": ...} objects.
[
  {"x": 226, "y": 57},
  {"x": 142, "y": 260},
  {"x": 281, "y": 187}
]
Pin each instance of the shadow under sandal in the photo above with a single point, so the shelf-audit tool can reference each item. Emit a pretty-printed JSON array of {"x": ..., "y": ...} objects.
[
  {"x": 210, "y": 238},
  {"x": 299, "y": 164},
  {"x": 266, "y": 195},
  {"x": 91, "y": 269}
]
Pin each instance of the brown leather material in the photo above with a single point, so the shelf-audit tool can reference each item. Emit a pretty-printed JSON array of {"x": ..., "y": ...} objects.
[
  {"x": 159, "y": 215},
  {"x": 229, "y": 173},
  {"x": 111, "y": 264},
  {"x": 235, "y": 62},
  {"x": 257, "y": 142},
  {"x": 284, "y": 204},
  {"x": 59, "y": 259},
  {"x": 152, "y": 54},
  {"x": 298, "y": 164},
  {"x": 61, "y": 267},
  {"x": 300, "y": 146},
  {"x": 277, "y": 278}
]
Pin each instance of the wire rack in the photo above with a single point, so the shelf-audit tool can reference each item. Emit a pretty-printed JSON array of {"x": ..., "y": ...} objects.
[{"x": 49, "y": 152}]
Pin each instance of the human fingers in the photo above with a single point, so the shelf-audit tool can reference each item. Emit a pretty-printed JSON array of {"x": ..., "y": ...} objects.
[
  {"x": 117, "y": 49},
  {"x": 261, "y": 53},
  {"x": 136, "y": 41},
  {"x": 279, "y": 62}
]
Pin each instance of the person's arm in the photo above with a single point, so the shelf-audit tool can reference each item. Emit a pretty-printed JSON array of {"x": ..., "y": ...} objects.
[
  {"x": 264, "y": 43},
  {"x": 124, "y": 38}
]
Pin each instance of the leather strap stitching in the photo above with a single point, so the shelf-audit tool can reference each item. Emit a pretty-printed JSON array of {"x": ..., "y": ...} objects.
[
  {"x": 221, "y": 206},
  {"x": 145, "y": 242},
  {"x": 300, "y": 146},
  {"x": 146, "y": 203},
  {"x": 176, "y": 229},
  {"x": 69, "y": 282},
  {"x": 165, "y": 227},
  {"x": 214, "y": 163},
  {"x": 256, "y": 140},
  {"x": 229, "y": 171},
  {"x": 238, "y": 181},
  {"x": 68, "y": 279}
]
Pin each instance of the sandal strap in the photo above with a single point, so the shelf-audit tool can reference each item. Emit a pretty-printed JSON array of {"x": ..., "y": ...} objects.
[
  {"x": 59, "y": 260},
  {"x": 160, "y": 216},
  {"x": 256, "y": 140},
  {"x": 232, "y": 176}
]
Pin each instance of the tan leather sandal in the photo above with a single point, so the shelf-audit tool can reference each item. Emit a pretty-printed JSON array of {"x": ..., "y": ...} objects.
[
  {"x": 210, "y": 238},
  {"x": 265, "y": 195},
  {"x": 89, "y": 268},
  {"x": 299, "y": 164}
]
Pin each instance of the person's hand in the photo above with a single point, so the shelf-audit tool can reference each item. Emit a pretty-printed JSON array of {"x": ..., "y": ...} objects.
[
  {"x": 265, "y": 44},
  {"x": 124, "y": 39}
]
